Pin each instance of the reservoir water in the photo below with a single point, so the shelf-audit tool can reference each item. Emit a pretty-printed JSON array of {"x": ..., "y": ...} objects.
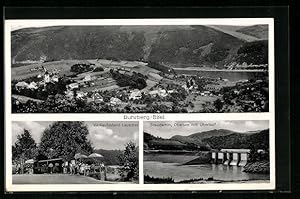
[
  {"x": 230, "y": 75},
  {"x": 183, "y": 172}
]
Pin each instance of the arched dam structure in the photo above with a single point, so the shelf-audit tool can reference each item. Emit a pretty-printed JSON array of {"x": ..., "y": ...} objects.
[{"x": 232, "y": 157}]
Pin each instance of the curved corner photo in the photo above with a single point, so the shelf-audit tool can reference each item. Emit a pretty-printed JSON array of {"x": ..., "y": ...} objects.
[
  {"x": 139, "y": 69},
  {"x": 206, "y": 152},
  {"x": 74, "y": 152}
]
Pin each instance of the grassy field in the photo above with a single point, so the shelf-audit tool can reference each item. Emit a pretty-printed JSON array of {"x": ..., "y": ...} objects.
[
  {"x": 99, "y": 88},
  {"x": 145, "y": 70},
  {"x": 199, "y": 101},
  {"x": 24, "y": 72},
  {"x": 150, "y": 84},
  {"x": 112, "y": 177},
  {"x": 24, "y": 99},
  {"x": 124, "y": 63},
  {"x": 56, "y": 179},
  {"x": 155, "y": 76}
]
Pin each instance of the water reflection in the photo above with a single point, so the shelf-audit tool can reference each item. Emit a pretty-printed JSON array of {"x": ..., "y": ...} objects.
[
  {"x": 183, "y": 172},
  {"x": 230, "y": 75}
]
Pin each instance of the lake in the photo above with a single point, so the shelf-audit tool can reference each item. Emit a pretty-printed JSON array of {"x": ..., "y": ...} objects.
[
  {"x": 230, "y": 75},
  {"x": 183, "y": 172}
]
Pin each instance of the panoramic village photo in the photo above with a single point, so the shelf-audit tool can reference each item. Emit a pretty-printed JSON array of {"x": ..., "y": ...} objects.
[
  {"x": 75, "y": 152},
  {"x": 140, "y": 69},
  {"x": 204, "y": 152}
]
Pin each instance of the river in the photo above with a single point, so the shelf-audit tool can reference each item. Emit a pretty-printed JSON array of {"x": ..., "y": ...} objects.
[
  {"x": 184, "y": 172},
  {"x": 231, "y": 75}
]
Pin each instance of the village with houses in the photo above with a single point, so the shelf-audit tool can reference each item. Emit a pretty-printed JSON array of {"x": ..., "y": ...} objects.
[
  {"x": 128, "y": 86},
  {"x": 140, "y": 69}
]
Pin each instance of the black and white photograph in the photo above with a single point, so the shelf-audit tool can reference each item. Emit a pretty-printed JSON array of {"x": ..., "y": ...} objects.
[
  {"x": 139, "y": 104},
  {"x": 208, "y": 68},
  {"x": 206, "y": 152},
  {"x": 74, "y": 152}
]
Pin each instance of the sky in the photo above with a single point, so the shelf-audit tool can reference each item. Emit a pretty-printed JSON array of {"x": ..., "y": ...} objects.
[
  {"x": 103, "y": 135},
  {"x": 171, "y": 128}
]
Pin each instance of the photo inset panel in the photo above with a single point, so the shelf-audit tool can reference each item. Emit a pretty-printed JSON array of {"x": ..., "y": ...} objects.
[
  {"x": 204, "y": 152},
  {"x": 74, "y": 152},
  {"x": 207, "y": 68}
]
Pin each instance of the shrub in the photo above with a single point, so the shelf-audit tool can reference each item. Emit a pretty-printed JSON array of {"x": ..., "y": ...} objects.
[
  {"x": 98, "y": 69},
  {"x": 81, "y": 68},
  {"x": 150, "y": 179}
]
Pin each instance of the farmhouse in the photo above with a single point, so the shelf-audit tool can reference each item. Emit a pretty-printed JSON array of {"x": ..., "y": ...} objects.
[
  {"x": 171, "y": 91},
  {"x": 135, "y": 94},
  {"x": 185, "y": 87},
  {"x": 124, "y": 69},
  {"x": 32, "y": 85},
  {"x": 159, "y": 92},
  {"x": 97, "y": 98},
  {"x": 21, "y": 85},
  {"x": 212, "y": 87},
  {"x": 47, "y": 77},
  {"x": 73, "y": 86},
  {"x": 54, "y": 78},
  {"x": 87, "y": 78},
  {"x": 206, "y": 93},
  {"x": 81, "y": 95},
  {"x": 236, "y": 92},
  {"x": 115, "y": 101}
]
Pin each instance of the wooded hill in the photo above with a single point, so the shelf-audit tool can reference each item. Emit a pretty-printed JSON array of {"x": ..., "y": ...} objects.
[
  {"x": 214, "y": 139},
  {"x": 199, "y": 45},
  {"x": 110, "y": 157}
]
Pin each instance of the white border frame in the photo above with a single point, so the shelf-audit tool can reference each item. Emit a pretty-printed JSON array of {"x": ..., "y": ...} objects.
[{"x": 9, "y": 117}]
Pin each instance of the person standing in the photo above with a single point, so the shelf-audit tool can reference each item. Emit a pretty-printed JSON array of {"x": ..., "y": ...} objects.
[
  {"x": 105, "y": 171},
  {"x": 71, "y": 168},
  {"x": 93, "y": 168},
  {"x": 77, "y": 166},
  {"x": 18, "y": 168},
  {"x": 82, "y": 168},
  {"x": 50, "y": 167},
  {"x": 73, "y": 164},
  {"x": 65, "y": 165}
]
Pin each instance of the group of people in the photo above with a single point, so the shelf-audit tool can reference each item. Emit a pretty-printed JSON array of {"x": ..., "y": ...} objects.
[
  {"x": 76, "y": 168},
  {"x": 79, "y": 168},
  {"x": 73, "y": 167},
  {"x": 21, "y": 169}
]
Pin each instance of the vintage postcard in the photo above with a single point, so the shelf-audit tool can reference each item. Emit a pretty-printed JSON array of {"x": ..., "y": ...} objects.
[{"x": 139, "y": 104}]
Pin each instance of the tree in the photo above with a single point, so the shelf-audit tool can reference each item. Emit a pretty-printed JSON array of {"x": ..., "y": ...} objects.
[
  {"x": 140, "y": 83},
  {"x": 81, "y": 68},
  {"x": 64, "y": 139},
  {"x": 129, "y": 162},
  {"x": 255, "y": 52},
  {"x": 24, "y": 148},
  {"x": 253, "y": 155},
  {"x": 218, "y": 105}
]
